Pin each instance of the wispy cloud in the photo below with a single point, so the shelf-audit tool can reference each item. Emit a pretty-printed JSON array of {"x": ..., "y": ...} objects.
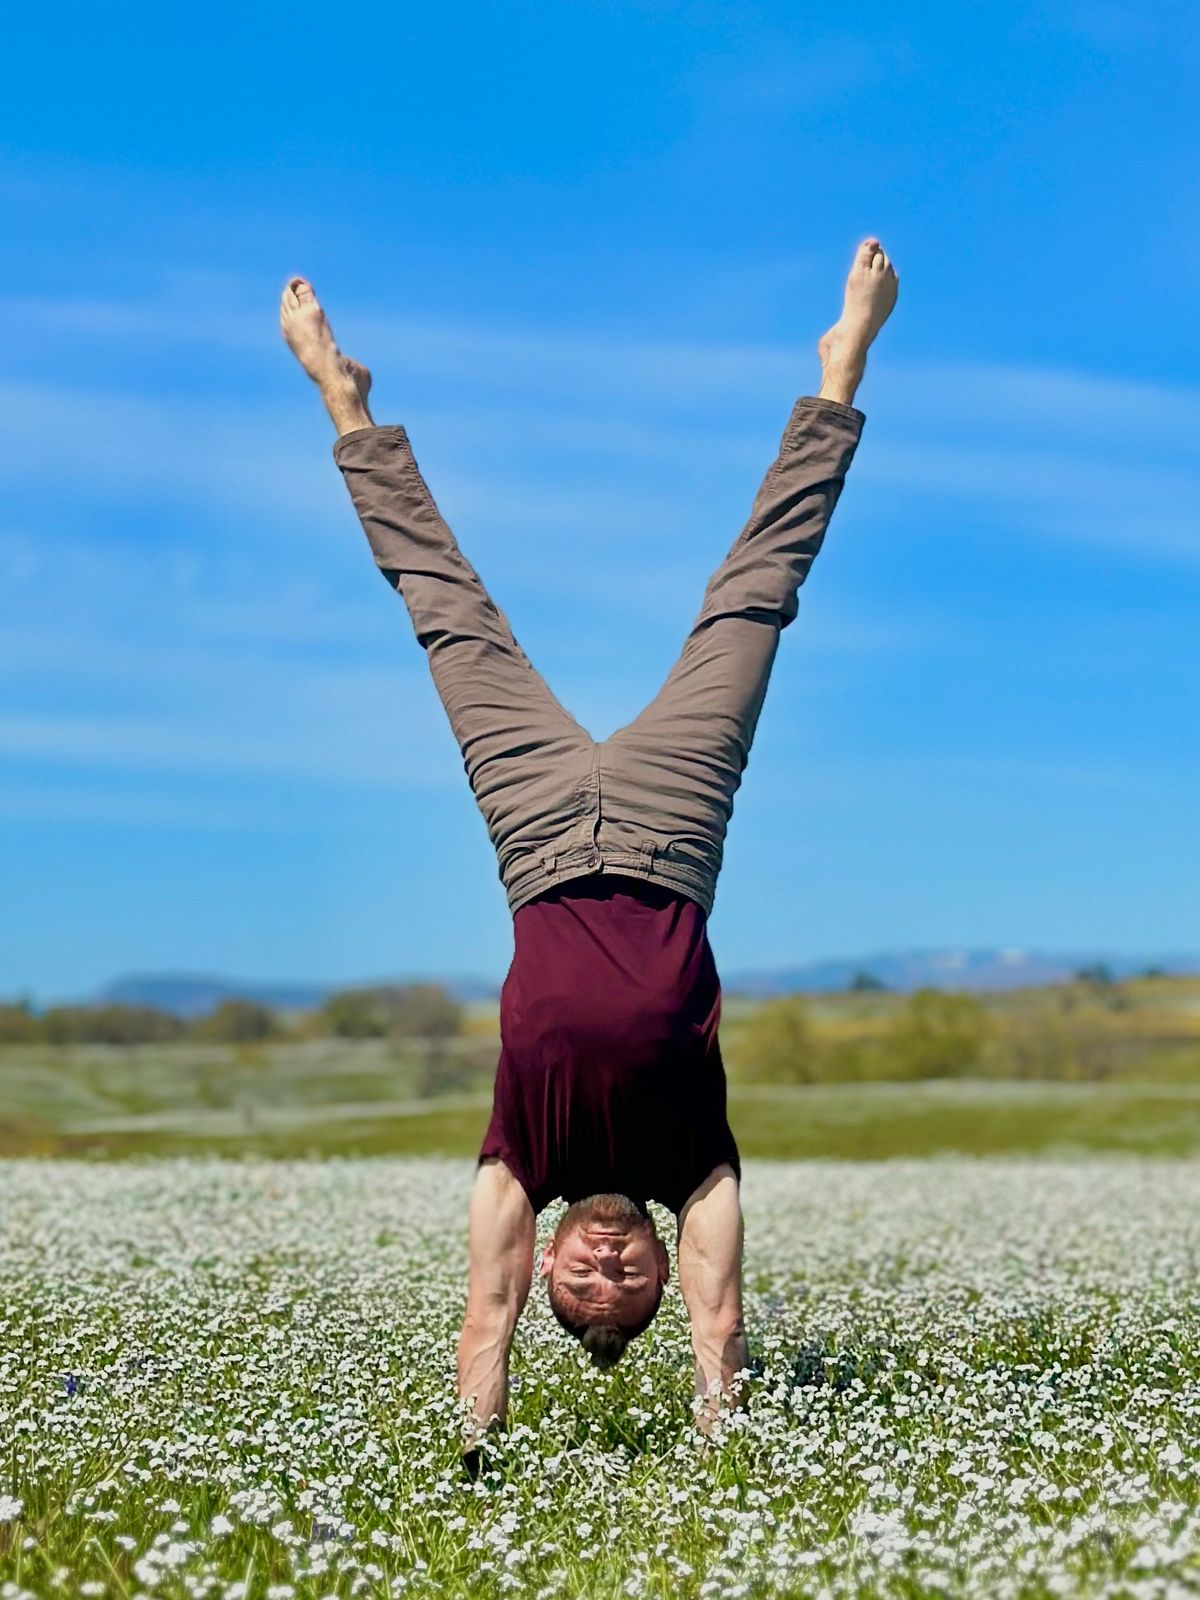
[
  {"x": 108, "y": 444},
  {"x": 138, "y": 802},
  {"x": 597, "y": 400},
  {"x": 1063, "y": 494},
  {"x": 373, "y": 750},
  {"x": 230, "y": 630}
]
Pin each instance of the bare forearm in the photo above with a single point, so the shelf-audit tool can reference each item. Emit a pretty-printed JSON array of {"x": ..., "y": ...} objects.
[
  {"x": 483, "y": 1350},
  {"x": 500, "y": 1243},
  {"x": 710, "y": 1277}
]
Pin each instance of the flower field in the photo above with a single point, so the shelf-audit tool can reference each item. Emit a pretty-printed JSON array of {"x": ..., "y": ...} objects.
[{"x": 235, "y": 1379}]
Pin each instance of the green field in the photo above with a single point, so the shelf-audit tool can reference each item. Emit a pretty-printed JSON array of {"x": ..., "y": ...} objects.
[
  {"x": 322, "y": 1097},
  {"x": 1086, "y": 1065}
]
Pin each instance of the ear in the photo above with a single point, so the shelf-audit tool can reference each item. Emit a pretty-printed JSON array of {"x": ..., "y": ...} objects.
[
  {"x": 664, "y": 1261},
  {"x": 547, "y": 1262}
]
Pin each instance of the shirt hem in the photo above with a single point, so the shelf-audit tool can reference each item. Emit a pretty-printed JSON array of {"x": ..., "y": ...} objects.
[{"x": 673, "y": 875}]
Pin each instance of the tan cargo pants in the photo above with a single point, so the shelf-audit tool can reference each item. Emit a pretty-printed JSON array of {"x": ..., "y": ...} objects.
[{"x": 654, "y": 799}]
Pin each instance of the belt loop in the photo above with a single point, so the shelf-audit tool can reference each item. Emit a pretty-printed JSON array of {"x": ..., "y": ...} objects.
[{"x": 550, "y": 861}]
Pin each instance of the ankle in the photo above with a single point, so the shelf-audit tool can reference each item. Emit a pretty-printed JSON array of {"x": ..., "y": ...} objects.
[
  {"x": 840, "y": 379},
  {"x": 346, "y": 407}
]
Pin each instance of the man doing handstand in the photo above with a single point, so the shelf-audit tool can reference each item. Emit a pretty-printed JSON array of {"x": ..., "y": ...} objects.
[{"x": 610, "y": 1089}]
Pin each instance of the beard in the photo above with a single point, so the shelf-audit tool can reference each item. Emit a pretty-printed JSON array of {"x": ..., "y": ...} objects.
[{"x": 616, "y": 1209}]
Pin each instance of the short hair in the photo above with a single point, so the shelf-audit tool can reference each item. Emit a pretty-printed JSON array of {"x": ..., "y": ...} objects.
[{"x": 605, "y": 1342}]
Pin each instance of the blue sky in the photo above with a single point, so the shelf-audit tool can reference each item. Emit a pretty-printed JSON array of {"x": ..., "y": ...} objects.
[{"x": 588, "y": 250}]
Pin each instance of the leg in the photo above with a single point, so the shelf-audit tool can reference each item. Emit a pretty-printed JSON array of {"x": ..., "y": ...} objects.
[
  {"x": 679, "y": 764},
  {"x": 691, "y": 744},
  {"x": 511, "y": 729},
  {"x": 521, "y": 749}
]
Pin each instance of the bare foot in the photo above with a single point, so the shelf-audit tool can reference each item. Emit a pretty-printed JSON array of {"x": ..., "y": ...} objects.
[
  {"x": 871, "y": 291},
  {"x": 344, "y": 384}
]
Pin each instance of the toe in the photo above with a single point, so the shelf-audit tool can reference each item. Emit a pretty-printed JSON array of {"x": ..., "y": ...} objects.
[
  {"x": 867, "y": 249},
  {"x": 303, "y": 291}
]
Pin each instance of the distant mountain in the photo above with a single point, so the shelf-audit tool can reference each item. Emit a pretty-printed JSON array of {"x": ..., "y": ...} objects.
[
  {"x": 983, "y": 969},
  {"x": 987, "y": 969}
]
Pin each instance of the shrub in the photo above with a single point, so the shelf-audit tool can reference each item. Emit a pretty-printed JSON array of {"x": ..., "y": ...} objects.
[
  {"x": 937, "y": 1035},
  {"x": 18, "y": 1025},
  {"x": 864, "y": 982},
  {"x": 237, "y": 1022},
  {"x": 777, "y": 1045},
  {"x": 398, "y": 1011},
  {"x": 112, "y": 1024},
  {"x": 1098, "y": 975}
]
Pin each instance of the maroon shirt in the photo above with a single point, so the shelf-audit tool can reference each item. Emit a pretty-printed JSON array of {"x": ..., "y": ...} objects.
[{"x": 610, "y": 1076}]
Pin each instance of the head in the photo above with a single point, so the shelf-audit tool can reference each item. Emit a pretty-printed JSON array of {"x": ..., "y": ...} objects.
[{"x": 605, "y": 1271}]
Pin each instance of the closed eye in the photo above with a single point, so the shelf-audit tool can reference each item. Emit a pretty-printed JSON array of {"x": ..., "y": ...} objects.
[{"x": 633, "y": 1279}]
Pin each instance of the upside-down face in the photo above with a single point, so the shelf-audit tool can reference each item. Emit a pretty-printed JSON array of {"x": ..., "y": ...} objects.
[{"x": 605, "y": 1266}]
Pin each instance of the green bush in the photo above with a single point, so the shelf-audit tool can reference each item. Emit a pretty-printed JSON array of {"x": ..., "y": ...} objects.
[
  {"x": 778, "y": 1045},
  {"x": 237, "y": 1022},
  {"x": 399, "y": 1011},
  {"x": 936, "y": 1035},
  {"x": 1097, "y": 976},
  {"x": 866, "y": 983},
  {"x": 111, "y": 1024},
  {"x": 18, "y": 1025},
  {"x": 854, "y": 1061}
]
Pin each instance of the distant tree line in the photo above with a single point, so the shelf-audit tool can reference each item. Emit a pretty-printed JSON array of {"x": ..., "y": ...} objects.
[
  {"x": 932, "y": 1035},
  {"x": 1091, "y": 1028},
  {"x": 1076, "y": 1031},
  {"x": 424, "y": 1011}
]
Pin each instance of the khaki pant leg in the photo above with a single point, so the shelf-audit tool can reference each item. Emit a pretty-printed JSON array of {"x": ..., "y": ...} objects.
[
  {"x": 673, "y": 772},
  {"x": 525, "y": 756}
]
